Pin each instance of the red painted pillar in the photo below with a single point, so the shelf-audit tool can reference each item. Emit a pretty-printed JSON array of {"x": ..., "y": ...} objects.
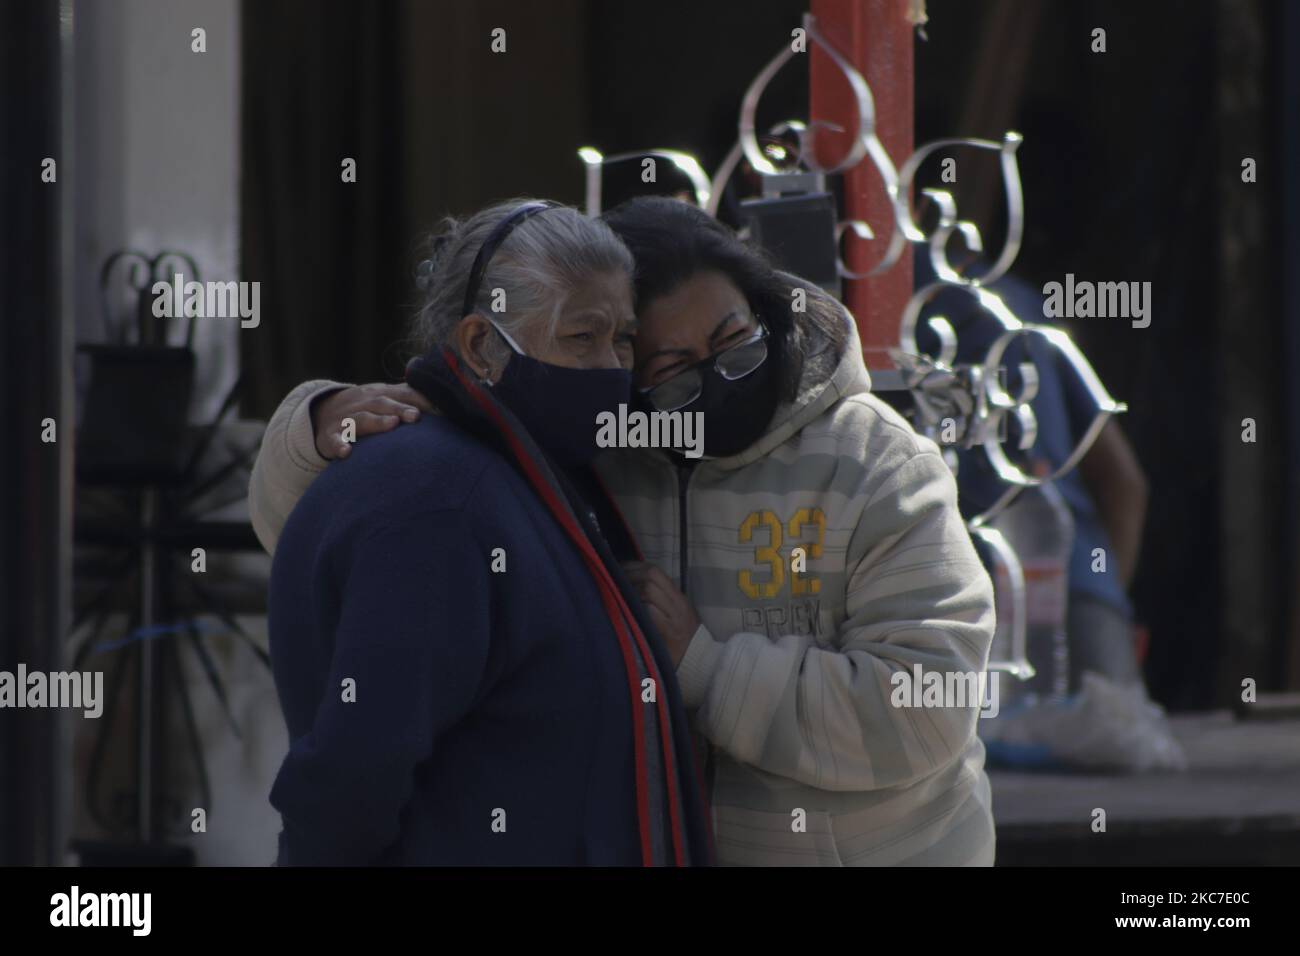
[{"x": 876, "y": 37}]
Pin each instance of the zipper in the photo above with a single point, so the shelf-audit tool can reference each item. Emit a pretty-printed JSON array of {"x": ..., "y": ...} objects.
[{"x": 684, "y": 469}]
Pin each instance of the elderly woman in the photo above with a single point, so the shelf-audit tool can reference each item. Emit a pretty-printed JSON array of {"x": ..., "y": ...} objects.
[
  {"x": 805, "y": 574},
  {"x": 466, "y": 674}
]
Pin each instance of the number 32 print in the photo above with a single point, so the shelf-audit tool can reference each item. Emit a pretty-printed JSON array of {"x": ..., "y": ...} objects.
[{"x": 759, "y": 524}]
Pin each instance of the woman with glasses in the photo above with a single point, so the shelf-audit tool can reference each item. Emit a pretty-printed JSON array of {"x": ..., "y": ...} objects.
[
  {"x": 805, "y": 574},
  {"x": 466, "y": 674}
]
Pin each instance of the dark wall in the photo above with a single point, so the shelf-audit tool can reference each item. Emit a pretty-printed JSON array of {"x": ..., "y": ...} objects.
[
  {"x": 437, "y": 123},
  {"x": 30, "y": 375},
  {"x": 672, "y": 73}
]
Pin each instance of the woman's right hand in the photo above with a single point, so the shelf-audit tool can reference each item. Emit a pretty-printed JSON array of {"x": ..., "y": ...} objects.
[{"x": 374, "y": 408}]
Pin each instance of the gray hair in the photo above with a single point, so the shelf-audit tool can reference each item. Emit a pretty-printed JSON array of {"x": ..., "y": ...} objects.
[{"x": 538, "y": 266}]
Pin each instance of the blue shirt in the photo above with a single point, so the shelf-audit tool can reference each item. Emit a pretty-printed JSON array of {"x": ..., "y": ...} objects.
[{"x": 1062, "y": 407}]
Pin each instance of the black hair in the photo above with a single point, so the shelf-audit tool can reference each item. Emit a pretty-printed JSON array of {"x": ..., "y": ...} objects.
[{"x": 672, "y": 240}]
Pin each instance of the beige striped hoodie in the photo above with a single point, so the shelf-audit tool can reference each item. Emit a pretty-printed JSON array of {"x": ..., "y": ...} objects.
[{"x": 790, "y": 678}]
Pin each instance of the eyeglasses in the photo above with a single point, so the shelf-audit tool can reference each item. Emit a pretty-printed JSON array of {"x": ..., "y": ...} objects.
[{"x": 732, "y": 363}]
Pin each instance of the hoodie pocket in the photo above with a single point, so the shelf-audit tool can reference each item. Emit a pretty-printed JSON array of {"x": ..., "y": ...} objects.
[{"x": 745, "y": 837}]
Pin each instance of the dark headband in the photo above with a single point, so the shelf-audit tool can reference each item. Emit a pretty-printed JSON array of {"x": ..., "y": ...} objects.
[{"x": 490, "y": 244}]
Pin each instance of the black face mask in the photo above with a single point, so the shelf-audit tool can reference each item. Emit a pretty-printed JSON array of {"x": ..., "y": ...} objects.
[
  {"x": 736, "y": 413},
  {"x": 558, "y": 405}
]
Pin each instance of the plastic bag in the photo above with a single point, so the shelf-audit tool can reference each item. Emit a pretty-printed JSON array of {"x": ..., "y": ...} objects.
[{"x": 1106, "y": 726}]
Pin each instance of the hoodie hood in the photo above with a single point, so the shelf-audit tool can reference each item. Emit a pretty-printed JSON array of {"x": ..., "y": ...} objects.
[{"x": 828, "y": 376}]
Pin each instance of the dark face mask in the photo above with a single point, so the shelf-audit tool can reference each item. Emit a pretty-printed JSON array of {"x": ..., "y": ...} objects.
[
  {"x": 558, "y": 405},
  {"x": 736, "y": 413}
]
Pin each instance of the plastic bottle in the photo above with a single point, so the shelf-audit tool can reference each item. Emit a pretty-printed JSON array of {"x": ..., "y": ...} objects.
[{"x": 1039, "y": 527}]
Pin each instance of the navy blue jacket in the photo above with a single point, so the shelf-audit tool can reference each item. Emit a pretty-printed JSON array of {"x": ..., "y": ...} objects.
[{"x": 440, "y": 712}]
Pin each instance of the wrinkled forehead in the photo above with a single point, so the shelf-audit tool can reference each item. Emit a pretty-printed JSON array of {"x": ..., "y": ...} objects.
[{"x": 603, "y": 298}]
